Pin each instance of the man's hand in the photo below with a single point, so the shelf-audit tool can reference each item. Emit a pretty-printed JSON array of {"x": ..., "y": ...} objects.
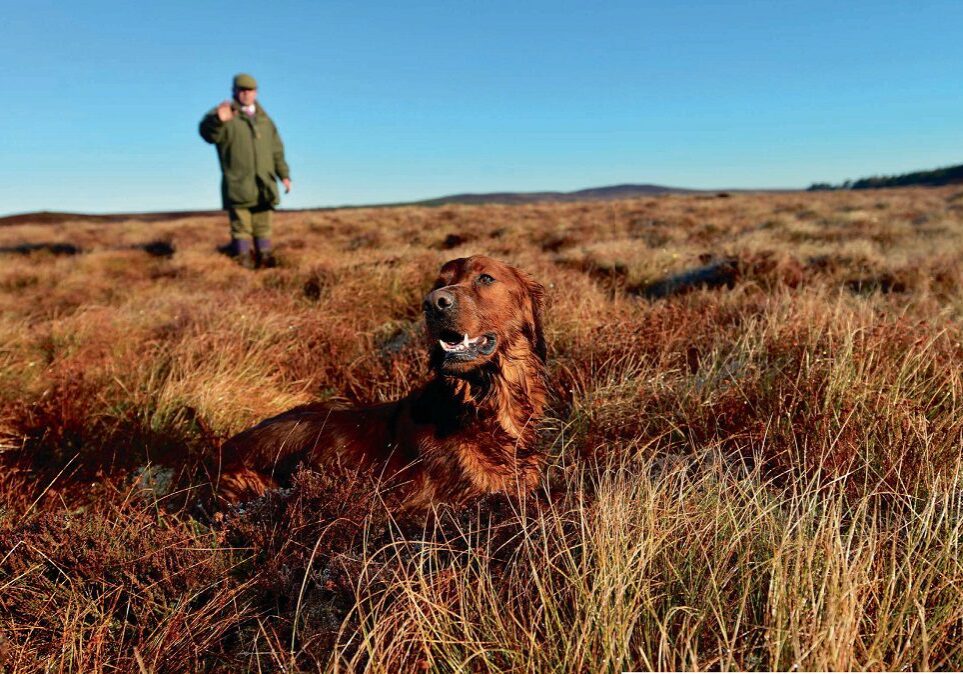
[
  {"x": 287, "y": 185},
  {"x": 225, "y": 112}
]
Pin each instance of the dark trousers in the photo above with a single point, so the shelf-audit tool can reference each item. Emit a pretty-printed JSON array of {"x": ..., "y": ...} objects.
[{"x": 251, "y": 223}]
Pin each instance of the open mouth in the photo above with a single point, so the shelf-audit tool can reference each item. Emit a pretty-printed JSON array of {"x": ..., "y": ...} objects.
[{"x": 459, "y": 345}]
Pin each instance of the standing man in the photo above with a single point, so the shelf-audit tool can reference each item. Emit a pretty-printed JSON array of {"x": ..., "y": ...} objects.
[{"x": 252, "y": 161}]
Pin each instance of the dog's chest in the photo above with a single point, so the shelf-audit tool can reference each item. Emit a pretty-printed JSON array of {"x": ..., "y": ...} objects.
[{"x": 474, "y": 463}]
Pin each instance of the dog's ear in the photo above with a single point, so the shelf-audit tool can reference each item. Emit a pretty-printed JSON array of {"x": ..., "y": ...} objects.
[{"x": 536, "y": 297}]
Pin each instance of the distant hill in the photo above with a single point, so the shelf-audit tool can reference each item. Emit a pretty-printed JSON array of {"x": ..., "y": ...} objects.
[
  {"x": 627, "y": 191},
  {"x": 949, "y": 175},
  {"x": 57, "y": 217},
  {"x": 611, "y": 192}
]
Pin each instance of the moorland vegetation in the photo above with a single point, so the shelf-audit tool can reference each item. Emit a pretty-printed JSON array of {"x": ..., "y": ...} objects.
[{"x": 756, "y": 466}]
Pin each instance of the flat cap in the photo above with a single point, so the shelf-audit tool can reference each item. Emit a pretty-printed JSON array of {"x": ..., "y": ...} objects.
[{"x": 244, "y": 81}]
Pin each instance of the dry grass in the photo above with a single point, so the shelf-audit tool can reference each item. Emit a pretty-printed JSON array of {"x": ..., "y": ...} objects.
[{"x": 764, "y": 474}]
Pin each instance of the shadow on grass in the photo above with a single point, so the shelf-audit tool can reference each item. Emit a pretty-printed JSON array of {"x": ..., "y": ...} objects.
[
  {"x": 157, "y": 248},
  {"x": 52, "y": 248},
  {"x": 67, "y": 456}
]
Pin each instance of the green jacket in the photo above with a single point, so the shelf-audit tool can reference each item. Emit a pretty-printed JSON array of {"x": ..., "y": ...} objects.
[{"x": 251, "y": 156}]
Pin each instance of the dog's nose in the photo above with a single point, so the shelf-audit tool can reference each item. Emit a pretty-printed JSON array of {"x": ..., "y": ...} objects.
[{"x": 440, "y": 300}]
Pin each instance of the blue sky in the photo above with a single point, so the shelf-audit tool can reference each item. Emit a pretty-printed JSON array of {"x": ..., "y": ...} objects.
[{"x": 391, "y": 101}]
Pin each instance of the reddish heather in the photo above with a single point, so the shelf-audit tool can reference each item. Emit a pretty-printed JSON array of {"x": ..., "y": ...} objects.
[{"x": 754, "y": 436}]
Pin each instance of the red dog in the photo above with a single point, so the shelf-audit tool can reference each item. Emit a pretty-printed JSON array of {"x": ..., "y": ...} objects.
[{"x": 469, "y": 431}]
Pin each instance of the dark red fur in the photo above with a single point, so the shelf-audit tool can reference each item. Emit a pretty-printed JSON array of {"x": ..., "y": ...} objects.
[{"x": 469, "y": 431}]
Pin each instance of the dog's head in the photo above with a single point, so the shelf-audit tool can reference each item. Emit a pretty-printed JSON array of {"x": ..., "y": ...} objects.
[{"x": 479, "y": 308}]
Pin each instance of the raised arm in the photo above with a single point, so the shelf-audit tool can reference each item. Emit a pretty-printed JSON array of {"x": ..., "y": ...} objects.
[{"x": 214, "y": 125}]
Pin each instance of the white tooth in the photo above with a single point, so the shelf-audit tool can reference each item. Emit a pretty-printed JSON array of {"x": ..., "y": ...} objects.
[{"x": 463, "y": 345}]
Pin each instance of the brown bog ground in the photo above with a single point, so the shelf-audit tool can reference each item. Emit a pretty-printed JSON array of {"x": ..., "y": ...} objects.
[{"x": 754, "y": 442}]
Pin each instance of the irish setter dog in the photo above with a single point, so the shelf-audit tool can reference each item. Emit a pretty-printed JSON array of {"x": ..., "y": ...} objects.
[{"x": 469, "y": 431}]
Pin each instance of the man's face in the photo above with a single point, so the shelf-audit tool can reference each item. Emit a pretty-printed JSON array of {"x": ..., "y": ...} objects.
[{"x": 245, "y": 96}]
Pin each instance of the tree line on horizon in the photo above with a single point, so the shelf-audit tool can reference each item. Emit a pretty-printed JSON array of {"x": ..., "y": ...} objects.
[{"x": 933, "y": 178}]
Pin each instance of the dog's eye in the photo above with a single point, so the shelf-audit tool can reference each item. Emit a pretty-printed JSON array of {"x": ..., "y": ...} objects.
[{"x": 486, "y": 280}]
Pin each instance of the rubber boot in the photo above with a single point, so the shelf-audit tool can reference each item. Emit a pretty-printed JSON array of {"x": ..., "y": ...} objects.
[
  {"x": 241, "y": 252},
  {"x": 265, "y": 256}
]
